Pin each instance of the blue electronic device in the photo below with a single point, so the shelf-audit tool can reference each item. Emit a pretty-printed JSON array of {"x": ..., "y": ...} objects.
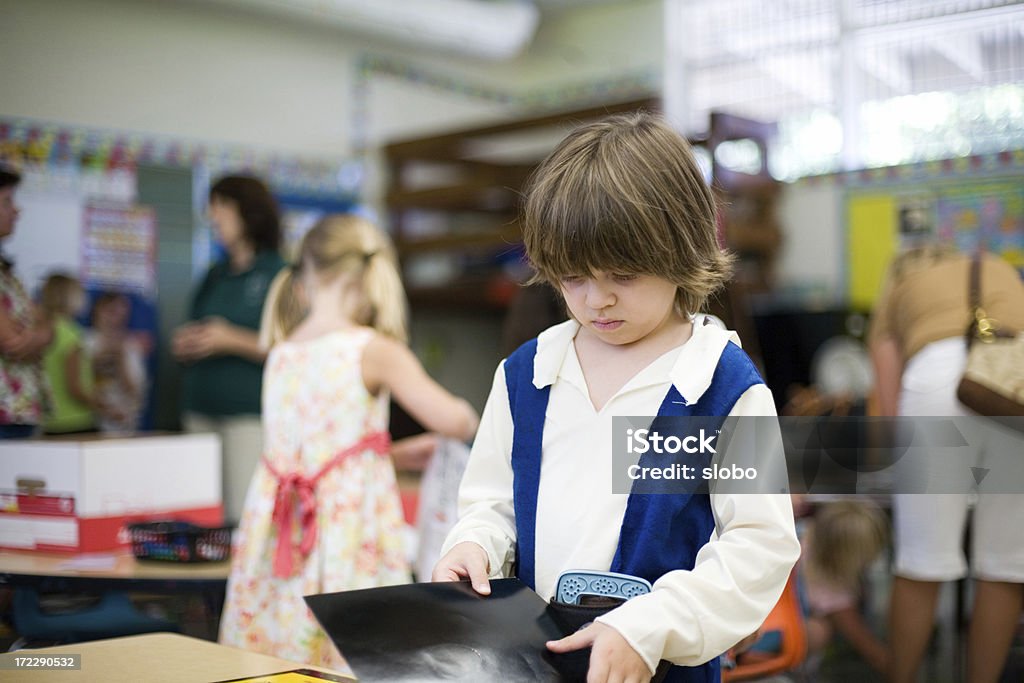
[{"x": 575, "y": 584}]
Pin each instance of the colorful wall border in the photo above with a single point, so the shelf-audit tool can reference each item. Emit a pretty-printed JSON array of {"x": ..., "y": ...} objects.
[
  {"x": 998, "y": 163},
  {"x": 39, "y": 144}
]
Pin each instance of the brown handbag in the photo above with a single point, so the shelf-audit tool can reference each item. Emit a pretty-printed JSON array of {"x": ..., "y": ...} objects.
[{"x": 993, "y": 381}]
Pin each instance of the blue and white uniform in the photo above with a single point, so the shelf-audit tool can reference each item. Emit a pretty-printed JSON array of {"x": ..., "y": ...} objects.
[{"x": 740, "y": 547}]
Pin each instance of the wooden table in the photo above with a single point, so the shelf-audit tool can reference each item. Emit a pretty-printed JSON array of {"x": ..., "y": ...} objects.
[
  {"x": 115, "y": 571},
  {"x": 120, "y": 566},
  {"x": 153, "y": 658}
]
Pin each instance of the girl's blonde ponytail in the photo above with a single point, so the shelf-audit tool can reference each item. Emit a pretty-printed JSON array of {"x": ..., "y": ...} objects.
[
  {"x": 282, "y": 310},
  {"x": 343, "y": 245},
  {"x": 382, "y": 286}
]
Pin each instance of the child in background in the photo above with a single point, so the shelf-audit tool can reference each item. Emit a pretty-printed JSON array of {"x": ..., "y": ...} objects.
[
  {"x": 619, "y": 219},
  {"x": 65, "y": 363},
  {"x": 323, "y": 512},
  {"x": 118, "y": 363},
  {"x": 841, "y": 541}
]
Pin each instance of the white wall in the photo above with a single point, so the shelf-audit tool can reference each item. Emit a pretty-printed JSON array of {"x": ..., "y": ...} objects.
[
  {"x": 200, "y": 71},
  {"x": 176, "y": 69},
  {"x": 814, "y": 248}
]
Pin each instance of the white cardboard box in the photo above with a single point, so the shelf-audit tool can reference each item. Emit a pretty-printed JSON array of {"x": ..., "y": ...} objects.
[{"x": 79, "y": 495}]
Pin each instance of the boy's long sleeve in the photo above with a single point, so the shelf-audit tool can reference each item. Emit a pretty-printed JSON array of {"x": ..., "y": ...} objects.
[
  {"x": 486, "y": 515},
  {"x": 692, "y": 616}
]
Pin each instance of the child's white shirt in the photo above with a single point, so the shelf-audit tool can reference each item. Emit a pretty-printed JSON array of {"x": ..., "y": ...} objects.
[{"x": 738, "y": 576}]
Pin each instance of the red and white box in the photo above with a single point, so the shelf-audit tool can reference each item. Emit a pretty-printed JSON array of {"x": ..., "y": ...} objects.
[{"x": 79, "y": 495}]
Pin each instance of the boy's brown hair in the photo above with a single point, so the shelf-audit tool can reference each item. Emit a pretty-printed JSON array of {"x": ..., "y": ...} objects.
[{"x": 625, "y": 195}]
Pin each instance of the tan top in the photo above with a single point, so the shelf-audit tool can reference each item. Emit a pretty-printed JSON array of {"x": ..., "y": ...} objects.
[{"x": 925, "y": 298}]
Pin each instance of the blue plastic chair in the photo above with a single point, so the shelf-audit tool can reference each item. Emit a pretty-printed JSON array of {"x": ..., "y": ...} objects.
[{"x": 113, "y": 616}]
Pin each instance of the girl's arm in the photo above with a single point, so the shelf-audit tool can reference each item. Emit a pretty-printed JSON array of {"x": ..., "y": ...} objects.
[
  {"x": 131, "y": 372},
  {"x": 693, "y": 616},
  {"x": 850, "y": 624},
  {"x": 390, "y": 364},
  {"x": 73, "y": 372}
]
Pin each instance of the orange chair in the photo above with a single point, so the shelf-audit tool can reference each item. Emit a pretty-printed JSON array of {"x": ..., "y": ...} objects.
[{"x": 787, "y": 618}]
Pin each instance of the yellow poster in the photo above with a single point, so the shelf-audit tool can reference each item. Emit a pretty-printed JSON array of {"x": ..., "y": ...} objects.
[{"x": 872, "y": 232}]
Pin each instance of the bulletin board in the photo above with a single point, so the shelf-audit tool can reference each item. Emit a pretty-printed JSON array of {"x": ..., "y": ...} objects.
[
  {"x": 966, "y": 214},
  {"x": 119, "y": 247}
]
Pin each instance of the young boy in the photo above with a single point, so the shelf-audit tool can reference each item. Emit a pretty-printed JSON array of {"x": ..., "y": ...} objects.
[{"x": 620, "y": 221}]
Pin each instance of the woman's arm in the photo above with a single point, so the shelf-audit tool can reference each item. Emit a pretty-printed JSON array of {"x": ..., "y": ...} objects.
[
  {"x": 217, "y": 337},
  {"x": 888, "y": 366},
  {"x": 19, "y": 342},
  {"x": 132, "y": 370}
]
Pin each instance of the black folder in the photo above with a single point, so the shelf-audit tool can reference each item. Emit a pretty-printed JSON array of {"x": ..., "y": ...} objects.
[{"x": 441, "y": 632}]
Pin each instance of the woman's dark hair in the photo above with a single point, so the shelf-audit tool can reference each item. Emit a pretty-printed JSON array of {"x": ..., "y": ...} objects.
[
  {"x": 257, "y": 207},
  {"x": 8, "y": 176}
]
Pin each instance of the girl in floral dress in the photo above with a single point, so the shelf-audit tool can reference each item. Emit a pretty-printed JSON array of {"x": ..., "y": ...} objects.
[{"x": 323, "y": 512}]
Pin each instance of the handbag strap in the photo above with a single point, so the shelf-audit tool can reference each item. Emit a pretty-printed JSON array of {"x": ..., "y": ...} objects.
[
  {"x": 974, "y": 285},
  {"x": 982, "y": 327},
  {"x": 974, "y": 298}
]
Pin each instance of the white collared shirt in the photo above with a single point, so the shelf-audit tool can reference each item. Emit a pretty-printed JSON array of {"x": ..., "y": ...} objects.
[{"x": 691, "y": 616}]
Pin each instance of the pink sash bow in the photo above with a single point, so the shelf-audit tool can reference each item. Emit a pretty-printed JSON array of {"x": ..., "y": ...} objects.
[{"x": 294, "y": 488}]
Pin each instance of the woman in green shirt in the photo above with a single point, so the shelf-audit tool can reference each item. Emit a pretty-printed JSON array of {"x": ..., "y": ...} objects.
[{"x": 220, "y": 345}]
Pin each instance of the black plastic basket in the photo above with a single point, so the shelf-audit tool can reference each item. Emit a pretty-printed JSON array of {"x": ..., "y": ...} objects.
[{"x": 180, "y": 542}]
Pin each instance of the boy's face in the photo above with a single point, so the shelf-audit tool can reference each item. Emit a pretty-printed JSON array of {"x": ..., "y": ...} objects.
[{"x": 619, "y": 309}]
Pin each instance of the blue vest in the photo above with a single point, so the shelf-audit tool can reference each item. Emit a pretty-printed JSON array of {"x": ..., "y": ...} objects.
[{"x": 659, "y": 533}]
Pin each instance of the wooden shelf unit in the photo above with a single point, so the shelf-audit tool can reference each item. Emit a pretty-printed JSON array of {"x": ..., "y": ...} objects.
[
  {"x": 478, "y": 194},
  {"x": 474, "y": 188}
]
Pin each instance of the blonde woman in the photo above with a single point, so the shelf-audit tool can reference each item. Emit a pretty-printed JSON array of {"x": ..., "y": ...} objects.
[
  {"x": 919, "y": 352},
  {"x": 323, "y": 512}
]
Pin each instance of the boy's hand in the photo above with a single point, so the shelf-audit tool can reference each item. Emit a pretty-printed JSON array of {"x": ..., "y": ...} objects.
[
  {"x": 465, "y": 560},
  {"x": 611, "y": 657}
]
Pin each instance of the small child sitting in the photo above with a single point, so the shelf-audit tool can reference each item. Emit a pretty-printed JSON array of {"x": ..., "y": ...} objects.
[
  {"x": 841, "y": 542},
  {"x": 119, "y": 372}
]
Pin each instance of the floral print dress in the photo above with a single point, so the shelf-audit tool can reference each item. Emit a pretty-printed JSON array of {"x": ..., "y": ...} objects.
[
  {"x": 22, "y": 387},
  {"x": 315, "y": 406}
]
